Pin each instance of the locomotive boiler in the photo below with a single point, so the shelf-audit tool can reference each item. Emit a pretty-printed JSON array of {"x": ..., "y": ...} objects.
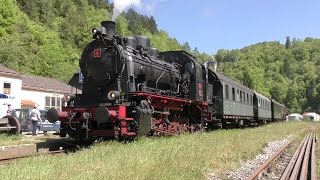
[{"x": 111, "y": 63}]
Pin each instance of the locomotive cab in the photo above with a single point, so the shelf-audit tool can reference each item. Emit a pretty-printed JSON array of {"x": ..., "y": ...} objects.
[{"x": 192, "y": 69}]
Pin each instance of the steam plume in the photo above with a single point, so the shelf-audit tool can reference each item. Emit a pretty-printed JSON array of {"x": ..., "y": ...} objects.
[{"x": 121, "y": 5}]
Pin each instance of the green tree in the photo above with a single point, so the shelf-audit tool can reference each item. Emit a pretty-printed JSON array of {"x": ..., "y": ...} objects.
[{"x": 288, "y": 42}]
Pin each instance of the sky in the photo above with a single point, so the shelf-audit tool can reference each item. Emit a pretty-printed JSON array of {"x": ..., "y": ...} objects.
[{"x": 211, "y": 25}]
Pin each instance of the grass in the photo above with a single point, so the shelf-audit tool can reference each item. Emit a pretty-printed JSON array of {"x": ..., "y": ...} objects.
[
  {"x": 190, "y": 156},
  {"x": 6, "y": 140},
  {"x": 9, "y": 140}
]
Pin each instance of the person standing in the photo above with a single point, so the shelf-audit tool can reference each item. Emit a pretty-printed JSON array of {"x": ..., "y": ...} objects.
[
  {"x": 35, "y": 118},
  {"x": 11, "y": 111}
]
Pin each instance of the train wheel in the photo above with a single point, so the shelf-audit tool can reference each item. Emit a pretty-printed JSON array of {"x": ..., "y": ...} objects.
[
  {"x": 240, "y": 124},
  {"x": 13, "y": 122},
  {"x": 63, "y": 130},
  {"x": 224, "y": 125}
]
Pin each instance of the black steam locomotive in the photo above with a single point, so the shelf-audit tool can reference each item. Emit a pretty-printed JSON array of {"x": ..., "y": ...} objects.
[{"x": 131, "y": 89}]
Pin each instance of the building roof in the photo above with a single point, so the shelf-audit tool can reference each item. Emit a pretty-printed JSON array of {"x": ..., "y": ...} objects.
[
  {"x": 8, "y": 72},
  {"x": 44, "y": 84}
]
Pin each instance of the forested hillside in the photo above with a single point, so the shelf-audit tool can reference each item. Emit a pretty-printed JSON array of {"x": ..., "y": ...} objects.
[
  {"x": 287, "y": 72},
  {"x": 46, "y": 37}
]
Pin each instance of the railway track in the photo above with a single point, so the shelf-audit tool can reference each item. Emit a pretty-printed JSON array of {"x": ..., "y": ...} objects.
[
  {"x": 10, "y": 154},
  {"x": 301, "y": 165},
  {"x": 14, "y": 159}
]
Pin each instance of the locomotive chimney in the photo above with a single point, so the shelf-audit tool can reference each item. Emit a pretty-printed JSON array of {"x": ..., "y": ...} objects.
[{"x": 110, "y": 28}]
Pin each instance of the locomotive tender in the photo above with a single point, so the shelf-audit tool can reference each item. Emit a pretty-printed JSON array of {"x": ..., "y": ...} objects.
[{"x": 131, "y": 89}]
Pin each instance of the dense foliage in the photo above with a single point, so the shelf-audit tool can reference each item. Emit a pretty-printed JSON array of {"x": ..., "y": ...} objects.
[
  {"x": 286, "y": 72},
  {"x": 46, "y": 37}
]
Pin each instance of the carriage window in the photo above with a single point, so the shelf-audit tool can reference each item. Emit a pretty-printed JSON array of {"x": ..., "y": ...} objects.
[
  {"x": 238, "y": 95},
  {"x": 241, "y": 100},
  {"x": 226, "y": 88},
  {"x": 251, "y": 103},
  {"x": 266, "y": 105},
  {"x": 233, "y": 94},
  {"x": 247, "y": 98},
  {"x": 244, "y": 97}
]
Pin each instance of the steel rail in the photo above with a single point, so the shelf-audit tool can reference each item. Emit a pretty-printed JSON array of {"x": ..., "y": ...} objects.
[
  {"x": 313, "y": 169},
  {"x": 305, "y": 163},
  {"x": 297, "y": 166},
  {"x": 288, "y": 170},
  {"x": 302, "y": 164},
  {"x": 266, "y": 164}
]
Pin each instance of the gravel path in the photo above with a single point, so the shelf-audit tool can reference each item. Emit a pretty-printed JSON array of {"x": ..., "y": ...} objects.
[{"x": 248, "y": 167}]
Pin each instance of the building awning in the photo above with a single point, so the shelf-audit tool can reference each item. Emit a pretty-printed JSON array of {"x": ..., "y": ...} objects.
[{"x": 27, "y": 103}]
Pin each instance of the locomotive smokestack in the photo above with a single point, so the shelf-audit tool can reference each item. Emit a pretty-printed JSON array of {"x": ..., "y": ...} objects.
[{"x": 110, "y": 28}]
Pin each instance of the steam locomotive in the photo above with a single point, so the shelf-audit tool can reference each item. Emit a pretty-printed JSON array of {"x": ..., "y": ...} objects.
[{"x": 131, "y": 89}]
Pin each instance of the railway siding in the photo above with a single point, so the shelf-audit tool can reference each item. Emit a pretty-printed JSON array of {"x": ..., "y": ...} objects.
[{"x": 17, "y": 151}]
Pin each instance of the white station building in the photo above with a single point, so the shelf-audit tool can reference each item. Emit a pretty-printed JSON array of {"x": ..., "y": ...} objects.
[{"x": 24, "y": 91}]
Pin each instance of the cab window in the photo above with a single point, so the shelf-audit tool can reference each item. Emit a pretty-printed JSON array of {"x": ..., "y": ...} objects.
[{"x": 226, "y": 88}]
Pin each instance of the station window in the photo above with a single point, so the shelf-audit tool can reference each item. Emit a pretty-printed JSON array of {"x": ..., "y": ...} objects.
[
  {"x": 226, "y": 91},
  {"x": 53, "y": 102},
  {"x": 7, "y": 88},
  {"x": 233, "y": 94}
]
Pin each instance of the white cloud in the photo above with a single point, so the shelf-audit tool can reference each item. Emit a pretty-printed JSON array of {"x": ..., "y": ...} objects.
[
  {"x": 121, "y": 5},
  {"x": 150, "y": 6}
]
